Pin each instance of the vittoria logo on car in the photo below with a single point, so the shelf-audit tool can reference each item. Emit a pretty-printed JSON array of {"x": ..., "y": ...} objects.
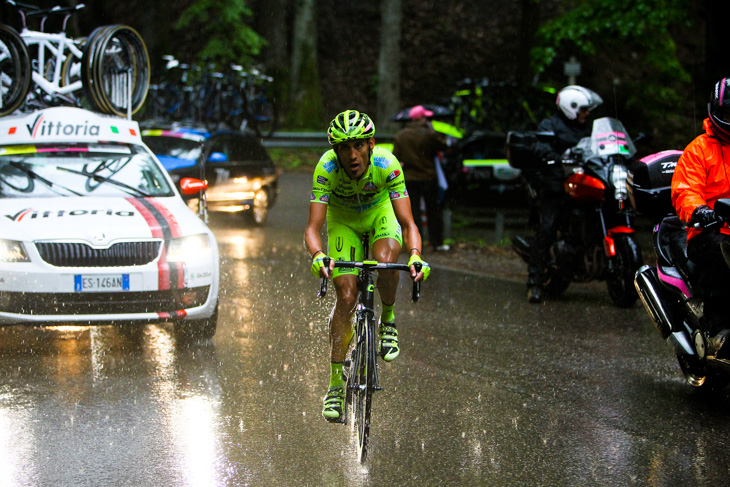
[
  {"x": 41, "y": 127},
  {"x": 31, "y": 214}
]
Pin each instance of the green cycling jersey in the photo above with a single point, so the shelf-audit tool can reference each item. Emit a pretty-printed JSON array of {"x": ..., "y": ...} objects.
[{"x": 383, "y": 181}]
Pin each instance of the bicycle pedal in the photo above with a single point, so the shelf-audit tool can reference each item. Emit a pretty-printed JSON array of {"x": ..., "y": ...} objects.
[{"x": 377, "y": 388}]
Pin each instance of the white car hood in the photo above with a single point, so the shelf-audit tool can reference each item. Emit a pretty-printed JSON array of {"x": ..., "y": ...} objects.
[{"x": 98, "y": 221}]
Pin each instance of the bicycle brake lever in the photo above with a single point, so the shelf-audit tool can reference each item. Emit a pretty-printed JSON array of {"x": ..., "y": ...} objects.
[
  {"x": 416, "y": 293},
  {"x": 323, "y": 283},
  {"x": 322, "y": 288}
]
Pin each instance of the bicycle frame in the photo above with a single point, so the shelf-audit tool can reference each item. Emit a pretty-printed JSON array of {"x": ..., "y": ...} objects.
[{"x": 57, "y": 45}]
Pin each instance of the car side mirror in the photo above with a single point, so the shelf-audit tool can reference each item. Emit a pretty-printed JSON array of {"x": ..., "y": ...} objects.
[
  {"x": 192, "y": 186},
  {"x": 218, "y": 157}
]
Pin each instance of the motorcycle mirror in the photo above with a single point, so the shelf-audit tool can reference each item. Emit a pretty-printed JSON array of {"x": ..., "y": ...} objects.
[{"x": 642, "y": 137}]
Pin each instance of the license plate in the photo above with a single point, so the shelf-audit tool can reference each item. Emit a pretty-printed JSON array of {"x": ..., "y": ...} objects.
[{"x": 101, "y": 283}]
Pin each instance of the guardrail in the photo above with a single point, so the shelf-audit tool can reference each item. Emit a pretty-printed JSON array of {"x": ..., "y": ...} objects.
[{"x": 311, "y": 139}]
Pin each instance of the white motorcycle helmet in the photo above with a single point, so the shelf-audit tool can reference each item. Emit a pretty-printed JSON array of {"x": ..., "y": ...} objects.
[{"x": 572, "y": 98}]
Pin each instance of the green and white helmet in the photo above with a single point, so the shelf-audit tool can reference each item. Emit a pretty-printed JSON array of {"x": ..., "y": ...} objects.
[{"x": 350, "y": 125}]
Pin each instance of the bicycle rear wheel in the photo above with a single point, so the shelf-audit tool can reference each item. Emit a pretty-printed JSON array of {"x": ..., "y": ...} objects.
[
  {"x": 364, "y": 381},
  {"x": 15, "y": 70}
]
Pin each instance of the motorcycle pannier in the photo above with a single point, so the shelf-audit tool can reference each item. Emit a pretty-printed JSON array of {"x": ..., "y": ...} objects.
[
  {"x": 649, "y": 183},
  {"x": 520, "y": 154}
]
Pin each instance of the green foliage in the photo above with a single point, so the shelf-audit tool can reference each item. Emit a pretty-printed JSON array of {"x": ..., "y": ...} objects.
[
  {"x": 601, "y": 25},
  {"x": 300, "y": 159},
  {"x": 222, "y": 24},
  {"x": 629, "y": 46}
]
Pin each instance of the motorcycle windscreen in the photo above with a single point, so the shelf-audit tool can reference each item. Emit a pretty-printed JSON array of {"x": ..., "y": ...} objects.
[{"x": 609, "y": 137}]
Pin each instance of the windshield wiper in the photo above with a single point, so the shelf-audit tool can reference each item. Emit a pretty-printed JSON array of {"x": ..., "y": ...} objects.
[
  {"x": 34, "y": 175},
  {"x": 103, "y": 179}
]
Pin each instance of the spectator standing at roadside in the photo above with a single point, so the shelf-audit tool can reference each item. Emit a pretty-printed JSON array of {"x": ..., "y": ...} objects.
[{"x": 416, "y": 146}]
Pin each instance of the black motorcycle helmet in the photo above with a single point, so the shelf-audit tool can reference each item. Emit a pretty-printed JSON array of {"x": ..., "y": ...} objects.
[{"x": 719, "y": 107}]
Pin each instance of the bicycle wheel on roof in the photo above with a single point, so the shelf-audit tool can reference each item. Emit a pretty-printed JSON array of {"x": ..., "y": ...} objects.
[
  {"x": 15, "y": 70},
  {"x": 116, "y": 69}
]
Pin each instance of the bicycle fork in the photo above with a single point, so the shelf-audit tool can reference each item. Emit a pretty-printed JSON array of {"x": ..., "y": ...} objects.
[{"x": 367, "y": 337}]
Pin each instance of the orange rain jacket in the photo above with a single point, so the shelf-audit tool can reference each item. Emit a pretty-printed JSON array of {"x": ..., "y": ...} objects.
[{"x": 702, "y": 176}]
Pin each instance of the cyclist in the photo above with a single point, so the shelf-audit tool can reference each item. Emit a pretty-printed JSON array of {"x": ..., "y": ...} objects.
[{"x": 359, "y": 189}]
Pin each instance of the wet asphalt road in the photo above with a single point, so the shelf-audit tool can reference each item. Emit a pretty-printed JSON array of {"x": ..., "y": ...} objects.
[{"x": 487, "y": 390}]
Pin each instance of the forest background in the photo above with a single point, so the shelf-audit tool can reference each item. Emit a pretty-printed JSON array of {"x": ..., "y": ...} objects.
[{"x": 654, "y": 62}]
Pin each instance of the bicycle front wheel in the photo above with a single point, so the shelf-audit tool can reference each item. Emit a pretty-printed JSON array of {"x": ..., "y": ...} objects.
[
  {"x": 365, "y": 382},
  {"x": 15, "y": 70}
]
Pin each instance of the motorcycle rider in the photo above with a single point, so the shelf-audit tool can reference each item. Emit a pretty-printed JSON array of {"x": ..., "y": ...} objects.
[
  {"x": 569, "y": 124},
  {"x": 700, "y": 179}
]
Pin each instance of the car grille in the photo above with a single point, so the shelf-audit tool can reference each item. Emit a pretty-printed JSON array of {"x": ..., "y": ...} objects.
[
  {"x": 79, "y": 254},
  {"x": 167, "y": 301}
]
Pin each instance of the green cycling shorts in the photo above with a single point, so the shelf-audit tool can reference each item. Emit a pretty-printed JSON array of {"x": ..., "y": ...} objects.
[{"x": 344, "y": 233}]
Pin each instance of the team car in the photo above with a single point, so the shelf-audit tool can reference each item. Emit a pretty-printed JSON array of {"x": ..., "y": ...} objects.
[
  {"x": 240, "y": 175},
  {"x": 92, "y": 228}
]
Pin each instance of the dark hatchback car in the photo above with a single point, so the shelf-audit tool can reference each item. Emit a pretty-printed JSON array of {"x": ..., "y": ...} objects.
[{"x": 241, "y": 176}]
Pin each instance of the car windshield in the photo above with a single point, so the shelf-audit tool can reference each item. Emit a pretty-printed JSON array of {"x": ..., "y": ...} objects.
[
  {"x": 173, "y": 147},
  {"x": 102, "y": 170}
]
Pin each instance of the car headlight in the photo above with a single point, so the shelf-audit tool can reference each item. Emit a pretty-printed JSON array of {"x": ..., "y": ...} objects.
[
  {"x": 188, "y": 248},
  {"x": 12, "y": 251}
]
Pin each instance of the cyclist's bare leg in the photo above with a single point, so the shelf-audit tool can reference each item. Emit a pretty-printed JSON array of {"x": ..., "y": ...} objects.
[
  {"x": 387, "y": 250},
  {"x": 341, "y": 319}
]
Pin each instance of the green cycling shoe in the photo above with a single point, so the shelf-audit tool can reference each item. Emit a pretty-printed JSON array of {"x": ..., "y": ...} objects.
[
  {"x": 388, "y": 346},
  {"x": 334, "y": 404}
]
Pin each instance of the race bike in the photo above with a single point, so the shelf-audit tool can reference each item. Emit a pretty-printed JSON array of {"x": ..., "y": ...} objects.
[
  {"x": 671, "y": 298},
  {"x": 596, "y": 238}
]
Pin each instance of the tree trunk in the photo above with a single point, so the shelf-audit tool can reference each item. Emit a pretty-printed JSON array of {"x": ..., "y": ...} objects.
[
  {"x": 529, "y": 23},
  {"x": 272, "y": 17},
  {"x": 305, "y": 107},
  {"x": 389, "y": 65}
]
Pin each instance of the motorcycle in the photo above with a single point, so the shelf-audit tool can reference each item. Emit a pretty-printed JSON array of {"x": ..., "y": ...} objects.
[
  {"x": 596, "y": 239},
  {"x": 669, "y": 294}
]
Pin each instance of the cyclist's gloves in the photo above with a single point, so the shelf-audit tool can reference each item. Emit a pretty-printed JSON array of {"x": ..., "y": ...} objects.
[
  {"x": 318, "y": 264},
  {"x": 425, "y": 268},
  {"x": 704, "y": 216}
]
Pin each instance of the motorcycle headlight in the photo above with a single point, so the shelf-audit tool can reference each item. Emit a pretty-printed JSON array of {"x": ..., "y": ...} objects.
[
  {"x": 12, "y": 251},
  {"x": 618, "y": 179},
  {"x": 188, "y": 248}
]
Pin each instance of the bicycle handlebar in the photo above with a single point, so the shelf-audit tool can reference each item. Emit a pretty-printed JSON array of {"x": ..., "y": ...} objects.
[
  {"x": 31, "y": 10},
  {"x": 415, "y": 293}
]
